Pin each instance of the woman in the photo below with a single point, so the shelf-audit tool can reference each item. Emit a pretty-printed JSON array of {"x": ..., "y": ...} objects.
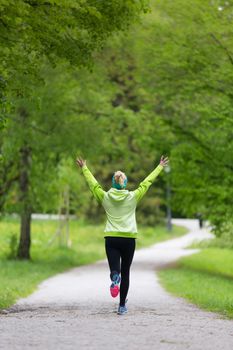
[{"x": 121, "y": 227}]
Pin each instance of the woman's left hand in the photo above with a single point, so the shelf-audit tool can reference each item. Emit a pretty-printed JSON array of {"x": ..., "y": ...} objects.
[{"x": 80, "y": 162}]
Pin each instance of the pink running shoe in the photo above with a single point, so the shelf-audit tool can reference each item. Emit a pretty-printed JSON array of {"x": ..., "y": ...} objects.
[{"x": 114, "y": 288}]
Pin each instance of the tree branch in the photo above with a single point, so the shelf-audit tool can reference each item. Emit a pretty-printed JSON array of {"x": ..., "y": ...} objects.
[{"x": 223, "y": 47}]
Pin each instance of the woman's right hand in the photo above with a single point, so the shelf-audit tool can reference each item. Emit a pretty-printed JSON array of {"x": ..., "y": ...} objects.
[
  {"x": 80, "y": 162},
  {"x": 164, "y": 161}
]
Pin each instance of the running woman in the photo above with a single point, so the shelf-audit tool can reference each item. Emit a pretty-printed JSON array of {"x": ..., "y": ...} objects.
[{"x": 121, "y": 227}]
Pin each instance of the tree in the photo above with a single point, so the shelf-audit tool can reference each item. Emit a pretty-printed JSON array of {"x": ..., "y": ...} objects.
[
  {"x": 189, "y": 76},
  {"x": 35, "y": 140},
  {"x": 31, "y": 30},
  {"x": 177, "y": 67},
  {"x": 165, "y": 88}
]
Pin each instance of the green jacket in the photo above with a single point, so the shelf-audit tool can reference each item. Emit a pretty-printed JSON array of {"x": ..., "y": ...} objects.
[{"x": 120, "y": 205}]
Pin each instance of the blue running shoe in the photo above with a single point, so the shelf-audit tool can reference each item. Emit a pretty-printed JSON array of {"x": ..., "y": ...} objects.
[
  {"x": 114, "y": 288},
  {"x": 122, "y": 310}
]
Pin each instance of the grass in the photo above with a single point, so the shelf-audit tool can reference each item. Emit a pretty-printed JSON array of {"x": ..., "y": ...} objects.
[
  {"x": 205, "y": 279},
  {"x": 20, "y": 278}
]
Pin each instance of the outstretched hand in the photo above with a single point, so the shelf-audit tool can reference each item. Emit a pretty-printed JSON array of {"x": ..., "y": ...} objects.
[
  {"x": 164, "y": 161},
  {"x": 80, "y": 162}
]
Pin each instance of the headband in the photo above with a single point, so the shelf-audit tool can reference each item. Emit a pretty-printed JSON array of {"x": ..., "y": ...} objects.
[{"x": 118, "y": 186}]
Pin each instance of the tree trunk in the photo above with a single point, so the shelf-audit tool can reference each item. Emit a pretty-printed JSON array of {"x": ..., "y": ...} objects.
[{"x": 25, "y": 226}]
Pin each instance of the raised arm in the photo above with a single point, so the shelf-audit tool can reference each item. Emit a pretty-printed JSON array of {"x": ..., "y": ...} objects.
[
  {"x": 93, "y": 184},
  {"x": 147, "y": 182}
]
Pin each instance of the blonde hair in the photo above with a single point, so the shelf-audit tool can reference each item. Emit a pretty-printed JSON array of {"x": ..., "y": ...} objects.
[{"x": 119, "y": 177}]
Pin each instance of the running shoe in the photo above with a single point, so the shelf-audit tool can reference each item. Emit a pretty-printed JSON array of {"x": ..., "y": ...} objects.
[
  {"x": 122, "y": 310},
  {"x": 114, "y": 288}
]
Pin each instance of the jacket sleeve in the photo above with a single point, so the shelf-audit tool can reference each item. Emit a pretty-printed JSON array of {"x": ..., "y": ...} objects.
[
  {"x": 146, "y": 183},
  {"x": 93, "y": 184}
]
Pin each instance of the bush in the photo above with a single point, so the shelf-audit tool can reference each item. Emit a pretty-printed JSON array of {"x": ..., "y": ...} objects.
[
  {"x": 13, "y": 246},
  {"x": 225, "y": 235}
]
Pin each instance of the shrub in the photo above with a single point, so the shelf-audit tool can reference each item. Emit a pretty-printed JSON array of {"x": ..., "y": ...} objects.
[{"x": 13, "y": 246}]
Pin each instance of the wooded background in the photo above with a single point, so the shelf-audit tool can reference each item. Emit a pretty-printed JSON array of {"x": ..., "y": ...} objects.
[{"x": 118, "y": 83}]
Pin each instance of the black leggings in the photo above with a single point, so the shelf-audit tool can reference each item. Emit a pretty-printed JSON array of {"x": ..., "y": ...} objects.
[{"x": 120, "y": 248}]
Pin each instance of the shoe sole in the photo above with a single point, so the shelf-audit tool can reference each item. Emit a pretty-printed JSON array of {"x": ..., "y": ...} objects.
[
  {"x": 122, "y": 313},
  {"x": 114, "y": 290}
]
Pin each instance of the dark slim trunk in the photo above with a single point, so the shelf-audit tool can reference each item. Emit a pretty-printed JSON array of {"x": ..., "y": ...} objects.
[
  {"x": 25, "y": 213},
  {"x": 25, "y": 236},
  {"x": 25, "y": 226}
]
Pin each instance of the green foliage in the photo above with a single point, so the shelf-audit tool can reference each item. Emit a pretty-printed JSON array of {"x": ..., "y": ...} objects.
[
  {"x": 212, "y": 269},
  {"x": 149, "y": 211},
  {"x": 13, "y": 244},
  {"x": 187, "y": 72},
  {"x": 34, "y": 32},
  {"x": 75, "y": 113},
  {"x": 164, "y": 88},
  {"x": 225, "y": 234},
  {"x": 223, "y": 239},
  {"x": 61, "y": 29}
]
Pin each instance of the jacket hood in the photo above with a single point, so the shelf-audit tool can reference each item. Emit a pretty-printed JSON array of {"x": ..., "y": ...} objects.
[{"x": 118, "y": 195}]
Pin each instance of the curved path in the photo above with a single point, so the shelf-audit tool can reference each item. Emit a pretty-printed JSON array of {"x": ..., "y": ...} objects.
[{"x": 73, "y": 310}]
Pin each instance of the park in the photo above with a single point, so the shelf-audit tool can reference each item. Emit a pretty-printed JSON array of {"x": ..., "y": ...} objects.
[{"x": 94, "y": 91}]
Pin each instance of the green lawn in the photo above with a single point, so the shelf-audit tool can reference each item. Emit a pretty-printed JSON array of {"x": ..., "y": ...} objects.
[
  {"x": 20, "y": 278},
  {"x": 205, "y": 279}
]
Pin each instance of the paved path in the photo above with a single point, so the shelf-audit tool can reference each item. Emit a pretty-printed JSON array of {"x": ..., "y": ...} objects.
[{"x": 73, "y": 310}]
